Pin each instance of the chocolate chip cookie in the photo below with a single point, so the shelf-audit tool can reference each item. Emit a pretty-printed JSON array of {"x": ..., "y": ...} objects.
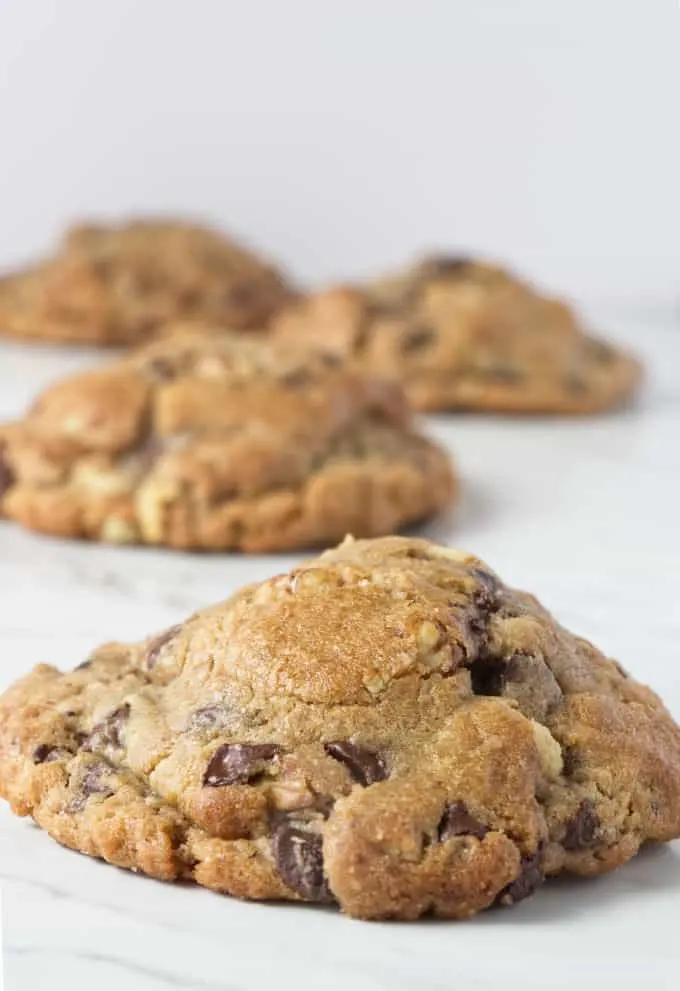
[
  {"x": 124, "y": 285},
  {"x": 460, "y": 334},
  {"x": 388, "y": 728},
  {"x": 221, "y": 442}
]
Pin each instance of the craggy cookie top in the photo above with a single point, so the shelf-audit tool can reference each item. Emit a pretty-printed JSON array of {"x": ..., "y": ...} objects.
[
  {"x": 124, "y": 284},
  {"x": 460, "y": 334},
  {"x": 388, "y": 727},
  {"x": 217, "y": 442}
]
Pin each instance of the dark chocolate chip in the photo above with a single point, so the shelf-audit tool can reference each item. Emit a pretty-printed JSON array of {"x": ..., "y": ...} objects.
[
  {"x": 299, "y": 859},
  {"x": 530, "y": 877},
  {"x": 571, "y": 761},
  {"x": 297, "y": 379},
  {"x": 108, "y": 733},
  {"x": 161, "y": 369},
  {"x": 6, "y": 474},
  {"x": 364, "y": 764},
  {"x": 514, "y": 667},
  {"x": 575, "y": 384},
  {"x": 210, "y": 716},
  {"x": 457, "y": 821},
  {"x": 599, "y": 351},
  {"x": 330, "y": 360},
  {"x": 241, "y": 294},
  {"x": 581, "y": 828},
  {"x": 83, "y": 665},
  {"x": 157, "y": 644},
  {"x": 487, "y": 676},
  {"x": 44, "y": 753},
  {"x": 416, "y": 339},
  {"x": 445, "y": 265},
  {"x": 488, "y": 592},
  {"x": 91, "y": 782},
  {"x": 238, "y": 763},
  {"x": 149, "y": 452},
  {"x": 501, "y": 372}
]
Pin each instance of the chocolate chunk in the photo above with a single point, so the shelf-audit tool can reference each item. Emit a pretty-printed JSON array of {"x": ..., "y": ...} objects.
[
  {"x": 239, "y": 763},
  {"x": 457, "y": 821},
  {"x": 416, "y": 339},
  {"x": 487, "y": 676},
  {"x": 530, "y": 877},
  {"x": 44, "y": 753},
  {"x": 108, "y": 733},
  {"x": 6, "y": 474},
  {"x": 299, "y": 859},
  {"x": 364, "y": 764},
  {"x": 157, "y": 644},
  {"x": 83, "y": 665},
  {"x": 580, "y": 830}
]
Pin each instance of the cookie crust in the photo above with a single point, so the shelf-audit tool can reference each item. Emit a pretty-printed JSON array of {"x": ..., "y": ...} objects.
[
  {"x": 387, "y": 727},
  {"x": 463, "y": 335},
  {"x": 218, "y": 443},
  {"x": 125, "y": 284}
]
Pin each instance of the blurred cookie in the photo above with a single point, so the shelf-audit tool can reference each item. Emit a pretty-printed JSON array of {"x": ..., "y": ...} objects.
[
  {"x": 229, "y": 441},
  {"x": 388, "y": 728},
  {"x": 460, "y": 334},
  {"x": 122, "y": 284}
]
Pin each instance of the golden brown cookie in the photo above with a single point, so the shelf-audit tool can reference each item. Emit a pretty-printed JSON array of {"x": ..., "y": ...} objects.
[
  {"x": 221, "y": 442},
  {"x": 123, "y": 285},
  {"x": 387, "y": 727},
  {"x": 459, "y": 334}
]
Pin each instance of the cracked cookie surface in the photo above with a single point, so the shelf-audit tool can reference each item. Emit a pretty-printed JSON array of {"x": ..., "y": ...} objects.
[
  {"x": 126, "y": 284},
  {"x": 229, "y": 442},
  {"x": 460, "y": 334},
  {"x": 387, "y": 727}
]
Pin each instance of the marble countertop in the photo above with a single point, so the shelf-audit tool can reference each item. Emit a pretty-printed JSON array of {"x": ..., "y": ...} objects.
[{"x": 582, "y": 512}]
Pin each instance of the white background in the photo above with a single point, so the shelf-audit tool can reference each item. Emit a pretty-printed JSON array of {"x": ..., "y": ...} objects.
[{"x": 344, "y": 135}]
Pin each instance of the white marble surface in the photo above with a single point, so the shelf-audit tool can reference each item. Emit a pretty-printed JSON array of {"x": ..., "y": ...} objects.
[{"x": 583, "y": 512}]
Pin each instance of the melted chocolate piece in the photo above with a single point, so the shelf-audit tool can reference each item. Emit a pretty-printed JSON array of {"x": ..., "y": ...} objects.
[
  {"x": 299, "y": 858},
  {"x": 364, "y": 764},
  {"x": 416, "y": 339},
  {"x": 530, "y": 877},
  {"x": 581, "y": 828},
  {"x": 7, "y": 477},
  {"x": 487, "y": 676},
  {"x": 44, "y": 753},
  {"x": 457, "y": 821},
  {"x": 239, "y": 763},
  {"x": 109, "y": 732},
  {"x": 157, "y": 644}
]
